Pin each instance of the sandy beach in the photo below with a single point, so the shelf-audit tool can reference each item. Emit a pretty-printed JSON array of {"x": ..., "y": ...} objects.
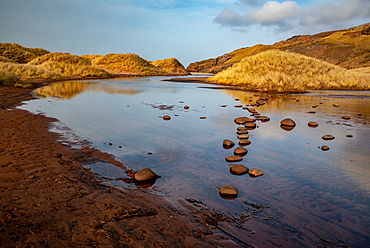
[{"x": 48, "y": 199}]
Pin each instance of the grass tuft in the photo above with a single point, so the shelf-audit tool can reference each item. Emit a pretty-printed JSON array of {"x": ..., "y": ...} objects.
[{"x": 278, "y": 71}]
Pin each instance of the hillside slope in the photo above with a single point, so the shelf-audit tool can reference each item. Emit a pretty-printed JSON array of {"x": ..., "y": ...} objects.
[
  {"x": 171, "y": 66},
  {"x": 278, "y": 71},
  {"x": 20, "y": 54},
  {"x": 348, "y": 48}
]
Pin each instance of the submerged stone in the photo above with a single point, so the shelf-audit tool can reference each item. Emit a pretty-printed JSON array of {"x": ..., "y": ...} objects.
[
  {"x": 238, "y": 169},
  {"x": 240, "y": 151},
  {"x": 243, "y": 136},
  {"x": 145, "y": 174},
  {"x": 325, "y": 148},
  {"x": 328, "y": 137},
  {"x": 287, "y": 122},
  {"x": 313, "y": 124},
  {"x": 244, "y": 142},
  {"x": 228, "y": 190},
  {"x": 255, "y": 172},
  {"x": 233, "y": 159},
  {"x": 228, "y": 143}
]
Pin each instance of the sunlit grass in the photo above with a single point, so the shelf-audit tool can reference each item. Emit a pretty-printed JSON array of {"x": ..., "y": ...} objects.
[
  {"x": 25, "y": 71},
  {"x": 20, "y": 54},
  {"x": 9, "y": 79},
  {"x": 277, "y": 71},
  {"x": 4, "y": 59},
  {"x": 68, "y": 65},
  {"x": 126, "y": 63},
  {"x": 362, "y": 70},
  {"x": 171, "y": 66}
]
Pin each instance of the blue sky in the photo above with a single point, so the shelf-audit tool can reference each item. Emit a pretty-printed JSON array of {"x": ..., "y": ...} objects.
[{"x": 187, "y": 30}]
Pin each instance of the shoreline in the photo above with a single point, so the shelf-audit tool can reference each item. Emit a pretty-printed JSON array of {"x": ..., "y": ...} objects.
[{"x": 48, "y": 199}]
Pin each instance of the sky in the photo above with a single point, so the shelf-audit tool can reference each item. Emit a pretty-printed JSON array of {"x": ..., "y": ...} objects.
[{"x": 187, "y": 30}]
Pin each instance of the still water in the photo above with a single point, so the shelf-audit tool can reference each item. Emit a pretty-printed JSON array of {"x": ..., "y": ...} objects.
[{"x": 306, "y": 198}]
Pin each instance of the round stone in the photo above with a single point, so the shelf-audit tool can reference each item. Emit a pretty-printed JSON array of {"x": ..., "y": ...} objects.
[
  {"x": 228, "y": 190},
  {"x": 238, "y": 169},
  {"x": 239, "y": 121},
  {"x": 346, "y": 117},
  {"x": 202, "y": 117},
  {"x": 244, "y": 142},
  {"x": 255, "y": 172},
  {"x": 250, "y": 125},
  {"x": 186, "y": 107},
  {"x": 349, "y": 135},
  {"x": 328, "y": 137},
  {"x": 247, "y": 119},
  {"x": 243, "y": 136},
  {"x": 166, "y": 117},
  {"x": 243, "y": 131},
  {"x": 287, "y": 122},
  {"x": 313, "y": 124},
  {"x": 264, "y": 118},
  {"x": 325, "y": 148},
  {"x": 241, "y": 128},
  {"x": 241, "y": 151},
  {"x": 145, "y": 174},
  {"x": 228, "y": 143},
  {"x": 233, "y": 159}
]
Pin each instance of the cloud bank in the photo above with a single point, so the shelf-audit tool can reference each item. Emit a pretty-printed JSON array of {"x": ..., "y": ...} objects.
[{"x": 289, "y": 15}]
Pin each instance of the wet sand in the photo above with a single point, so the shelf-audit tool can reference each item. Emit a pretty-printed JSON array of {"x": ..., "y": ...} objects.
[{"x": 48, "y": 198}]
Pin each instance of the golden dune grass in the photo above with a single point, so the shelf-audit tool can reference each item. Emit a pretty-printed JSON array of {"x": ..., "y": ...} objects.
[
  {"x": 20, "y": 54},
  {"x": 278, "y": 71},
  {"x": 28, "y": 71},
  {"x": 126, "y": 63},
  {"x": 68, "y": 65},
  {"x": 171, "y": 66}
]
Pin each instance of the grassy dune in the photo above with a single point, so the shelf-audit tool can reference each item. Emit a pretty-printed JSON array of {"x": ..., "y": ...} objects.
[
  {"x": 20, "y": 54},
  {"x": 68, "y": 65},
  {"x": 362, "y": 70},
  {"x": 171, "y": 66},
  {"x": 278, "y": 71},
  {"x": 126, "y": 63},
  {"x": 28, "y": 71}
]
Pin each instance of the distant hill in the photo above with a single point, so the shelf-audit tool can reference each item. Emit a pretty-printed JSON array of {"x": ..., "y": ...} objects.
[
  {"x": 171, "y": 66},
  {"x": 278, "y": 71},
  {"x": 20, "y": 54},
  {"x": 348, "y": 48}
]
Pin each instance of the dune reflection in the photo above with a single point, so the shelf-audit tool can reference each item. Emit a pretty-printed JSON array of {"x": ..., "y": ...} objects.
[
  {"x": 69, "y": 89},
  {"x": 323, "y": 102}
]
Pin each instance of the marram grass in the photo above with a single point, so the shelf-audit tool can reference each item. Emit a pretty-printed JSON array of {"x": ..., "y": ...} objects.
[
  {"x": 9, "y": 79},
  {"x": 28, "y": 71},
  {"x": 126, "y": 63},
  {"x": 19, "y": 53},
  {"x": 278, "y": 71},
  {"x": 68, "y": 65},
  {"x": 171, "y": 66}
]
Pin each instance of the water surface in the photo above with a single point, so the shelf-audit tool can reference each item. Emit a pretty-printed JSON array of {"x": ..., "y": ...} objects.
[{"x": 306, "y": 198}]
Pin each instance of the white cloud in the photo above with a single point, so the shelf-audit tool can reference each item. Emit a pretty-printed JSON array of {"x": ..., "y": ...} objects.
[
  {"x": 289, "y": 15},
  {"x": 273, "y": 12}
]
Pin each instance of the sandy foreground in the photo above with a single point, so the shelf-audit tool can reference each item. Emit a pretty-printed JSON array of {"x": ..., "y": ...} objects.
[{"x": 48, "y": 199}]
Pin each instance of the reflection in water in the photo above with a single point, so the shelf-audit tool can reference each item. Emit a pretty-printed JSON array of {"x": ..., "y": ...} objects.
[
  {"x": 70, "y": 89},
  {"x": 307, "y": 197}
]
